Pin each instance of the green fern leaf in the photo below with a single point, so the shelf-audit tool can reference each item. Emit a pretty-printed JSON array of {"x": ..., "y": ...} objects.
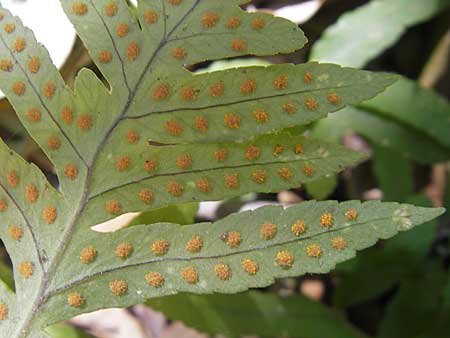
[
  {"x": 408, "y": 142},
  {"x": 241, "y": 251},
  {"x": 387, "y": 20},
  {"x": 402, "y": 112},
  {"x": 158, "y": 135},
  {"x": 260, "y": 314}
]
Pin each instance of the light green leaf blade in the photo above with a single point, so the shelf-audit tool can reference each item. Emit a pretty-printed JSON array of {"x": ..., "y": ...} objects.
[
  {"x": 194, "y": 172},
  {"x": 255, "y": 313},
  {"x": 164, "y": 83},
  {"x": 43, "y": 102},
  {"x": 25, "y": 194},
  {"x": 374, "y": 220},
  {"x": 118, "y": 28},
  {"x": 371, "y": 29},
  {"x": 167, "y": 27},
  {"x": 239, "y": 115}
]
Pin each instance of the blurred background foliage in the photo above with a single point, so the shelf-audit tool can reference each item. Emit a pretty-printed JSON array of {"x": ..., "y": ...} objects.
[{"x": 398, "y": 289}]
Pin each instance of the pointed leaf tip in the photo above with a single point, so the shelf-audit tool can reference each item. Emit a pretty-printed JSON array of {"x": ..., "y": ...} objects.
[{"x": 408, "y": 216}]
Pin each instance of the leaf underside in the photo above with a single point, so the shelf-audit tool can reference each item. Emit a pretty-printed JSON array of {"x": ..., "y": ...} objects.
[
  {"x": 316, "y": 250},
  {"x": 158, "y": 135}
]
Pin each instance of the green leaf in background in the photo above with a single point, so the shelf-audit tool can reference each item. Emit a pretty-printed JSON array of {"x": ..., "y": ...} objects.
[
  {"x": 407, "y": 119},
  {"x": 6, "y": 275},
  {"x": 404, "y": 319},
  {"x": 383, "y": 132},
  {"x": 66, "y": 331},
  {"x": 447, "y": 189},
  {"x": 441, "y": 323},
  {"x": 415, "y": 107},
  {"x": 322, "y": 188},
  {"x": 255, "y": 313},
  {"x": 179, "y": 214},
  {"x": 405, "y": 108},
  {"x": 394, "y": 174},
  {"x": 371, "y": 29},
  {"x": 376, "y": 270}
]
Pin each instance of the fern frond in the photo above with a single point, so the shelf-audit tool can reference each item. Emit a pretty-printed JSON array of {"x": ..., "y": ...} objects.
[{"x": 155, "y": 135}]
